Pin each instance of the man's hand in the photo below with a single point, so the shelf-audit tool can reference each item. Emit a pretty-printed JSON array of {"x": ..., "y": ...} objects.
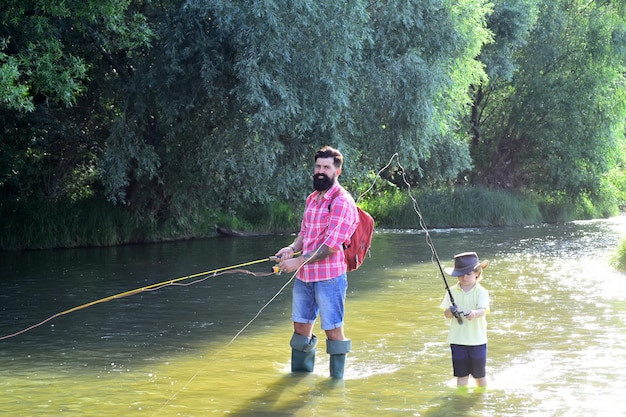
[
  {"x": 289, "y": 264},
  {"x": 285, "y": 253}
]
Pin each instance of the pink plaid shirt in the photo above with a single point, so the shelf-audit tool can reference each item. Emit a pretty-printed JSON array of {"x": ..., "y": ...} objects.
[{"x": 330, "y": 227}]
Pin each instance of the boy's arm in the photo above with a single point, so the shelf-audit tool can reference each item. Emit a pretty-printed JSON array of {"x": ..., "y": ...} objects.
[{"x": 474, "y": 314}]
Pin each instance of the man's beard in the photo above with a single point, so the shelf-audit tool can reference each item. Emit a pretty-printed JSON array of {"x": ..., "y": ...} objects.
[{"x": 321, "y": 182}]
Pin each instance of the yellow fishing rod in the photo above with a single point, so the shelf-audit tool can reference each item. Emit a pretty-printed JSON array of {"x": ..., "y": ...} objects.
[{"x": 154, "y": 287}]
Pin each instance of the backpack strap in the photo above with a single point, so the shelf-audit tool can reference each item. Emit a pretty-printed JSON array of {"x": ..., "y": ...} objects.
[{"x": 340, "y": 191}]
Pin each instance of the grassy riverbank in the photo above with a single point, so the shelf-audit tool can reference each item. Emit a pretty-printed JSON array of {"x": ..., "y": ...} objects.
[
  {"x": 99, "y": 223},
  {"x": 618, "y": 259},
  {"x": 479, "y": 207}
]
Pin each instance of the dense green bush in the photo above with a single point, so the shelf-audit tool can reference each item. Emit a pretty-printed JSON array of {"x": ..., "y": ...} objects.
[
  {"x": 618, "y": 260},
  {"x": 94, "y": 222},
  {"x": 457, "y": 207}
]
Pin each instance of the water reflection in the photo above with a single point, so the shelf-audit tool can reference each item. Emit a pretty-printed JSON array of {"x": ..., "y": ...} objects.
[{"x": 556, "y": 331}]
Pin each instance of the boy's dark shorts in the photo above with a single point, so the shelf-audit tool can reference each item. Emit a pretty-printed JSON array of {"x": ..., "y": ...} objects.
[{"x": 469, "y": 360}]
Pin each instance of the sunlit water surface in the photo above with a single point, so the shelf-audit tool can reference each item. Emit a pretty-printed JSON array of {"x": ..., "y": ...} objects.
[{"x": 220, "y": 346}]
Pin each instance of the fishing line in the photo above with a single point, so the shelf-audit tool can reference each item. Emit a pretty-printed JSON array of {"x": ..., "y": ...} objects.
[
  {"x": 153, "y": 287},
  {"x": 422, "y": 223},
  {"x": 237, "y": 269},
  {"x": 248, "y": 324}
]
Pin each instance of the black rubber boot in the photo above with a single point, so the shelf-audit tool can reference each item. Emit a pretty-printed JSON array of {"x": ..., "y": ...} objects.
[
  {"x": 302, "y": 353},
  {"x": 337, "y": 350}
]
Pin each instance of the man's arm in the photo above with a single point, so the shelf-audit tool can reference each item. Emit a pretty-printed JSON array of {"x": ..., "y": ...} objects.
[
  {"x": 291, "y": 264},
  {"x": 322, "y": 252}
]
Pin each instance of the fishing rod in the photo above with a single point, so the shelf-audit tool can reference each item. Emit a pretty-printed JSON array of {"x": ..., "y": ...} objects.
[
  {"x": 454, "y": 308},
  {"x": 154, "y": 287}
]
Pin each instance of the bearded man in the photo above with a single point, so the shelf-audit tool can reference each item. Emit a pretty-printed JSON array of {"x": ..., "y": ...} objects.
[{"x": 330, "y": 217}]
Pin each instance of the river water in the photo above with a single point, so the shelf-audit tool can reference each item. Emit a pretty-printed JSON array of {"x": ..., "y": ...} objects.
[{"x": 218, "y": 344}]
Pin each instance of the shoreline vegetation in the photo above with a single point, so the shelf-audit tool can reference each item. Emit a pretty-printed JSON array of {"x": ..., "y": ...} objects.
[{"x": 94, "y": 223}]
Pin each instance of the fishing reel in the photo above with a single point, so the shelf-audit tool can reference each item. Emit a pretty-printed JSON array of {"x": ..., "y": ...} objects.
[
  {"x": 275, "y": 269},
  {"x": 458, "y": 314}
]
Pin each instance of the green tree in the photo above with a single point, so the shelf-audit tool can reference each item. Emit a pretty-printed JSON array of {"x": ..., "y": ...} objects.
[
  {"x": 416, "y": 77},
  {"x": 511, "y": 24},
  {"x": 234, "y": 92},
  {"x": 58, "y": 60},
  {"x": 555, "y": 127},
  {"x": 234, "y": 97},
  {"x": 43, "y": 45}
]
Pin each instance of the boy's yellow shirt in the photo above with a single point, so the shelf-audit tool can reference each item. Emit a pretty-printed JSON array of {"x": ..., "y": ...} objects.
[{"x": 471, "y": 332}]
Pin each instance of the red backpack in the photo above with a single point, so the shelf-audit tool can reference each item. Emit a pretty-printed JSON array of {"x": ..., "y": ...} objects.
[{"x": 358, "y": 246}]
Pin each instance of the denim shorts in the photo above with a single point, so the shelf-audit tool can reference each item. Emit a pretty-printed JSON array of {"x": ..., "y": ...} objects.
[
  {"x": 469, "y": 360},
  {"x": 326, "y": 298}
]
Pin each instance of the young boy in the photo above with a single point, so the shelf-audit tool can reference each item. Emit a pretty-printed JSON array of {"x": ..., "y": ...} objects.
[{"x": 468, "y": 330}]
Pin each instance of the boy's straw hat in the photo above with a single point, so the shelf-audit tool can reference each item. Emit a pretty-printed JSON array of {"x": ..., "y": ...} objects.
[{"x": 464, "y": 263}]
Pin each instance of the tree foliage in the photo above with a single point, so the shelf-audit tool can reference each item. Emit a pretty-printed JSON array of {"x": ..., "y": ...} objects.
[
  {"x": 58, "y": 63},
  {"x": 242, "y": 94},
  {"x": 172, "y": 107},
  {"x": 46, "y": 46},
  {"x": 555, "y": 127}
]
